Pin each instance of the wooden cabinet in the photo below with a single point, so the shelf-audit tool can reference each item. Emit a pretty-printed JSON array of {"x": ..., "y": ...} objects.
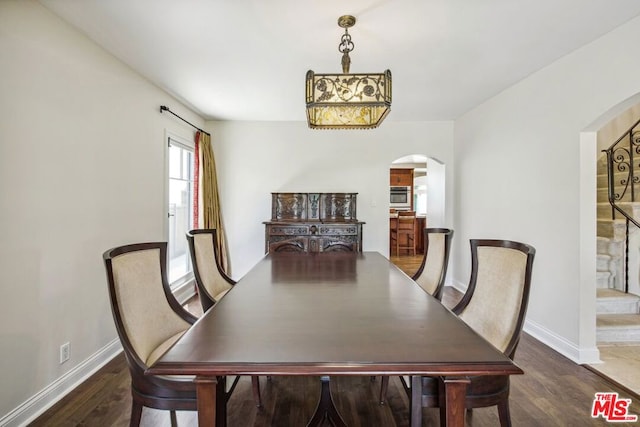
[
  {"x": 401, "y": 177},
  {"x": 313, "y": 222}
]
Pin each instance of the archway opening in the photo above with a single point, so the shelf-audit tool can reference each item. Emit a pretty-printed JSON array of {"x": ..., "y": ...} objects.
[{"x": 416, "y": 187}]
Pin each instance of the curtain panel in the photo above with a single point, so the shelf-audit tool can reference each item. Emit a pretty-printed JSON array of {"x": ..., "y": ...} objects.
[{"x": 210, "y": 214}]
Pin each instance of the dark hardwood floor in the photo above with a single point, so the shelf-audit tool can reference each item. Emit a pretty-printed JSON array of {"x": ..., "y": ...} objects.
[{"x": 553, "y": 392}]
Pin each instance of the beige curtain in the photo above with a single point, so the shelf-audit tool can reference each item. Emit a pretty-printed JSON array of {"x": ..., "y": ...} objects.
[{"x": 211, "y": 214}]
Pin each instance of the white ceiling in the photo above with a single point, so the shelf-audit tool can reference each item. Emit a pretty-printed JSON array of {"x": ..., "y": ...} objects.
[{"x": 247, "y": 59}]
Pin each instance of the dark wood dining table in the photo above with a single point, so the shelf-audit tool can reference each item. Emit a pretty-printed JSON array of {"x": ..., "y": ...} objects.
[{"x": 329, "y": 314}]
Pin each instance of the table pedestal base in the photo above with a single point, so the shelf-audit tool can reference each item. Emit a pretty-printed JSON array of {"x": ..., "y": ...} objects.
[{"x": 326, "y": 408}]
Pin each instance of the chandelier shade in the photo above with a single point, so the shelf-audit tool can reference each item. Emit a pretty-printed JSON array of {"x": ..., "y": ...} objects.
[{"x": 347, "y": 101}]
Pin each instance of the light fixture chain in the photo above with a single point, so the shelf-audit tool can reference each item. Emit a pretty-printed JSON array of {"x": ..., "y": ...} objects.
[{"x": 345, "y": 46}]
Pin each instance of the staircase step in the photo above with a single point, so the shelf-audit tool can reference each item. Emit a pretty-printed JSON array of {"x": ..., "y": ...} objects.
[
  {"x": 602, "y": 245},
  {"x": 617, "y": 328},
  {"x": 612, "y": 228},
  {"x": 603, "y": 178},
  {"x": 608, "y": 246},
  {"x": 614, "y": 301},
  {"x": 602, "y": 194},
  {"x": 602, "y": 262},
  {"x": 604, "y": 210},
  {"x": 604, "y": 279},
  {"x": 601, "y": 165}
]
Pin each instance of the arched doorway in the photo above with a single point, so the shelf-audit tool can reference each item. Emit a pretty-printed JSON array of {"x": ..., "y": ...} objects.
[
  {"x": 606, "y": 349},
  {"x": 422, "y": 178}
]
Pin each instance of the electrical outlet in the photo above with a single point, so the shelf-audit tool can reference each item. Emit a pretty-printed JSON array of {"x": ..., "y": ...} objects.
[{"x": 64, "y": 352}]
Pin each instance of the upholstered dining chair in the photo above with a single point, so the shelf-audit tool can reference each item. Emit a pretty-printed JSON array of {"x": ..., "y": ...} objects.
[
  {"x": 148, "y": 320},
  {"x": 433, "y": 270},
  {"x": 494, "y": 305},
  {"x": 211, "y": 280},
  {"x": 431, "y": 274}
]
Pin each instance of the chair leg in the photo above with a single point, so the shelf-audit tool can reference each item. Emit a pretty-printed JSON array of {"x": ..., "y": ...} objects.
[
  {"x": 174, "y": 419},
  {"x": 384, "y": 385},
  {"x": 136, "y": 414},
  {"x": 503, "y": 413},
  {"x": 255, "y": 384},
  {"x": 415, "y": 413}
]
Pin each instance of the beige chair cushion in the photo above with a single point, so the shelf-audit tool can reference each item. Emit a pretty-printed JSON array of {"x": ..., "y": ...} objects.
[
  {"x": 434, "y": 263},
  {"x": 162, "y": 348},
  {"x": 220, "y": 295},
  {"x": 494, "y": 308},
  {"x": 147, "y": 317},
  {"x": 211, "y": 278}
]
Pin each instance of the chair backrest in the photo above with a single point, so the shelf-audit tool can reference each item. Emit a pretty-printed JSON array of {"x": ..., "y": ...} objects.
[
  {"x": 406, "y": 220},
  {"x": 432, "y": 272},
  {"x": 495, "y": 302},
  {"x": 144, "y": 309},
  {"x": 210, "y": 278}
]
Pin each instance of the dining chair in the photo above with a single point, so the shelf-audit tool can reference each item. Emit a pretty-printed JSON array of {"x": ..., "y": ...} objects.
[
  {"x": 494, "y": 305},
  {"x": 405, "y": 231},
  {"x": 431, "y": 274},
  {"x": 433, "y": 270},
  {"x": 149, "y": 320},
  {"x": 211, "y": 280}
]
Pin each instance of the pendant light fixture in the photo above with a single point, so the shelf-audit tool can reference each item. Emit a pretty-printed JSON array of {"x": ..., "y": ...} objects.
[{"x": 347, "y": 101}]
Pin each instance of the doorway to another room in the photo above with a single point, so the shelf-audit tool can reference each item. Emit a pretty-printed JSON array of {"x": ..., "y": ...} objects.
[{"x": 416, "y": 201}]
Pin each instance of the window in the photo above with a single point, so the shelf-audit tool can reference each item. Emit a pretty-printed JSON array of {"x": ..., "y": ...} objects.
[{"x": 180, "y": 213}]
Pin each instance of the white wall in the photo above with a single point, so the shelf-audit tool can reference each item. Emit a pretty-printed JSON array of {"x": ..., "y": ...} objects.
[
  {"x": 257, "y": 158},
  {"x": 436, "y": 193},
  {"x": 82, "y": 158},
  {"x": 519, "y": 175}
]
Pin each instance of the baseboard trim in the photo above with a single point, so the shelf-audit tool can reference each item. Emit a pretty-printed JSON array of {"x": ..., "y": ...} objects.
[
  {"x": 47, "y": 397},
  {"x": 561, "y": 345},
  {"x": 54, "y": 392},
  {"x": 458, "y": 286}
]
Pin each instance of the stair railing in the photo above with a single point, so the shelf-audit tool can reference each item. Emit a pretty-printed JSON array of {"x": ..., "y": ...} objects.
[{"x": 623, "y": 158}]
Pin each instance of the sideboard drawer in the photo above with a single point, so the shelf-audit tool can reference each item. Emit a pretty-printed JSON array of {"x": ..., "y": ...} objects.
[
  {"x": 339, "y": 230},
  {"x": 289, "y": 230}
]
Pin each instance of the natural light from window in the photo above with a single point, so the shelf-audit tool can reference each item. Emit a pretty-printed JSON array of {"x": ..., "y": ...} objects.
[{"x": 181, "y": 187}]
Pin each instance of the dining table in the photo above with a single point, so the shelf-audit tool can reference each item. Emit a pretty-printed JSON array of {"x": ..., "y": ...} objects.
[{"x": 330, "y": 314}]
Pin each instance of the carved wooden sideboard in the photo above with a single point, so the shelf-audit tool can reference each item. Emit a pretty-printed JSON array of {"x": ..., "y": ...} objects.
[{"x": 313, "y": 222}]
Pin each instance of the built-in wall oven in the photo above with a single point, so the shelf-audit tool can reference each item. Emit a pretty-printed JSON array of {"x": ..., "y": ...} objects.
[{"x": 400, "y": 197}]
